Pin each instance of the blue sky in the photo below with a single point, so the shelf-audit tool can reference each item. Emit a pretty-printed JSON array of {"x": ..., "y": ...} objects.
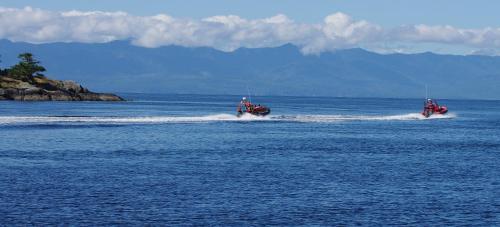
[
  {"x": 443, "y": 26},
  {"x": 460, "y": 13}
]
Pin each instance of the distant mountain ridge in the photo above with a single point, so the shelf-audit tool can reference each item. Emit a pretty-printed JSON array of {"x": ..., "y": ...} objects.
[{"x": 119, "y": 66}]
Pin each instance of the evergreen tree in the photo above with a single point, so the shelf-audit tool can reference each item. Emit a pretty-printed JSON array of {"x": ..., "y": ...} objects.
[{"x": 27, "y": 68}]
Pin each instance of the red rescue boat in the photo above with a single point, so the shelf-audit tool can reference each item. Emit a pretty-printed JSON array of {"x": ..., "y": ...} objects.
[
  {"x": 246, "y": 106},
  {"x": 432, "y": 107}
]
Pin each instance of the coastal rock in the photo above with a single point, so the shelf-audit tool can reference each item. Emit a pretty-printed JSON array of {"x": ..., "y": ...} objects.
[
  {"x": 44, "y": 89},
  {"x": 73, "y": 87}
]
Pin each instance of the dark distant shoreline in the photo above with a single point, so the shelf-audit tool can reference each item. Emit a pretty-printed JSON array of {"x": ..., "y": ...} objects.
[{"x": 283, "y": 71}]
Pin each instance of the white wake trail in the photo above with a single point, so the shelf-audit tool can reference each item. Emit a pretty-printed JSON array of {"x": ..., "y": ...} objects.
[
  {"x": 125, "y": 120},
  {"x": 8, "y": 120},
  {"x": 337, "y": 118}
]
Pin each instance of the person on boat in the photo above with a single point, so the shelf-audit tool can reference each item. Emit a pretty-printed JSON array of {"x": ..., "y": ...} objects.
[
  {"x": 248, "y": 105},
  {"x": 430, "y": 104},
  {"x": 436, "y": 106},
  {"x": 429, "y": 107}
]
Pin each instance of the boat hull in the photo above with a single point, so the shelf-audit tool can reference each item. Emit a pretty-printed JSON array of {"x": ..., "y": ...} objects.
[
  {"x": 256, "y": 112},
  {"x": 441, "y": 110}
]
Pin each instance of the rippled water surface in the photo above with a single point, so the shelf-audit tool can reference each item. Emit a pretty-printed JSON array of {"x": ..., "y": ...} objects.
[{"x": 185, "y": 159}]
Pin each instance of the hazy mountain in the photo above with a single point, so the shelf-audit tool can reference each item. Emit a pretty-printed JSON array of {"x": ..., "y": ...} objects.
[{"x": 121, "y": 67}]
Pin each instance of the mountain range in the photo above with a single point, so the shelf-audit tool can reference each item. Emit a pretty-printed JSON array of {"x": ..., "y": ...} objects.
[{"x": 121, "y": 67}]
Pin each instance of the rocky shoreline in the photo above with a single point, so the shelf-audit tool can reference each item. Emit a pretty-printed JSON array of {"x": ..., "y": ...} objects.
[{"x": 44, "y": 89}]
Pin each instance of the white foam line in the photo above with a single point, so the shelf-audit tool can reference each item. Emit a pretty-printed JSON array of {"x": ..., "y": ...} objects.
[
  {"x": 154, "y": 119},
  {"x": 403, "y": 117},
  {"x": 212, "y": 118}
]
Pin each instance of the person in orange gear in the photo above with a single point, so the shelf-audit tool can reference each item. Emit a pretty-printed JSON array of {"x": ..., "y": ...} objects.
[
  {"x": 436, "y": 106},
  {"x": 429, "y": 107},
  {"x": 248, "y": 105}
]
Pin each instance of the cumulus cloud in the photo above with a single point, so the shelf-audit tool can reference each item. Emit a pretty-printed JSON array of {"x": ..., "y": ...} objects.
[{"x": 227, "y": 32}]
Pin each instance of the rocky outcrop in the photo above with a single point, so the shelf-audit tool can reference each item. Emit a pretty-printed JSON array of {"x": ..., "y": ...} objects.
[{"x": 44, "y": 89}]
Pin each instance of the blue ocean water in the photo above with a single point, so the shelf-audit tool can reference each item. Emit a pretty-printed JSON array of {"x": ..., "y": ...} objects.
[{"x": 186, "y": 159}]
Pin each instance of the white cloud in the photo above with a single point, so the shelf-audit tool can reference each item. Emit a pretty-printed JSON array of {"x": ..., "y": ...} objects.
[{"x": 228, "y": 32}]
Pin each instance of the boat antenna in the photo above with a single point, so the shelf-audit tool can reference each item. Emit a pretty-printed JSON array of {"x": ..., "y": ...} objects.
[
  {"x": 426, "y": 92},
  {"x": 249, "y": 95}
]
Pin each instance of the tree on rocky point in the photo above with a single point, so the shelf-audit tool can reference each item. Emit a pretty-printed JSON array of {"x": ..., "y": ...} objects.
[{"x": 27, "y": 68}]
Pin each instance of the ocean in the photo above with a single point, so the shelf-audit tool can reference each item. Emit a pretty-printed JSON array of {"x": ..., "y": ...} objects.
[{"x": 188, "y": 160}]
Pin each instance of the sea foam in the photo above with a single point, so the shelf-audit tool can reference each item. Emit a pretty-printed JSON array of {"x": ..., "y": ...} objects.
[{"x": 211, "y": 118}]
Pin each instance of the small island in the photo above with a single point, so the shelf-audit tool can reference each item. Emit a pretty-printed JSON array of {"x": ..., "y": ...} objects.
[{"x": 25, "y": 82}]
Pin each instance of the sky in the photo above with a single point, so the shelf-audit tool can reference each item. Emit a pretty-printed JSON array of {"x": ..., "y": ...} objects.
[{"x": 443, "y": 26}]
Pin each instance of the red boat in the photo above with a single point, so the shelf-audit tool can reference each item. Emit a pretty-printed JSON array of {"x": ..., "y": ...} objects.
[
  {"x": 432, "y": 107},
  {"x": 246, "y": 106}
]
